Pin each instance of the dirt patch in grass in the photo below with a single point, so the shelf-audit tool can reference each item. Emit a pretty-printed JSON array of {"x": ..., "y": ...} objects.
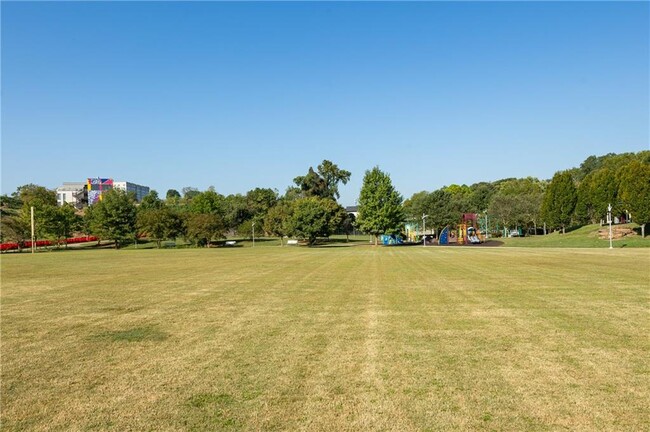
[{"x": 617, "y": 233}]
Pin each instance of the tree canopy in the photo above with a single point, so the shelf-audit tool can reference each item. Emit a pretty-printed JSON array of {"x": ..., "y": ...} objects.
[{"x": 380, "y": 205}]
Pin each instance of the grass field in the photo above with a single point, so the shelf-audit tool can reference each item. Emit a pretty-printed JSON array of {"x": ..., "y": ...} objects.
[
  {"x": 332, "y": 338},
  {"x": 584, "y": 237}
]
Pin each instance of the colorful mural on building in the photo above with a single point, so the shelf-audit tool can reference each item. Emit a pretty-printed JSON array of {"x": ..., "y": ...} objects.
[{"x": 96, "y": 187}]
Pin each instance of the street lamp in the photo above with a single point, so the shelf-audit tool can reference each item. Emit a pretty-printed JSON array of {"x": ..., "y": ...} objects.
[
  {"x": 424, "y": 237},
  {"x": 486, "y": 225},
  {"x": 609, "y": 221}
]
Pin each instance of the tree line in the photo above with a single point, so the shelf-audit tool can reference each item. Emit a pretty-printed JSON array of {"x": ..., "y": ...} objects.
[
  {"x": 309, "y": 209},
  {"x": 572, "y": 197}
]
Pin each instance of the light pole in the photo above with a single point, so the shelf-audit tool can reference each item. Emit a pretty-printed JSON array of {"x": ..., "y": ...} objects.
[
  {"x": 486, "y": 225},
  {"x": 424, "y": 235},
  {"x": 253, "y": 233},
  {"x": 33, "y": 231},
  {"x": 609, "y": 221}
]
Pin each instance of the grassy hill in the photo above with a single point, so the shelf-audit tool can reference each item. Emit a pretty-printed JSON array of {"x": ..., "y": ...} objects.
[{"x": 584, "y": 237}]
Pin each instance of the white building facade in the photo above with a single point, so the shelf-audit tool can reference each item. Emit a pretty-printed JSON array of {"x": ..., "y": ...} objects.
[
  {"x": 139, "y": 190},
  {"x": 69, "y": 193},
  {"x": 80, "y": 194}
]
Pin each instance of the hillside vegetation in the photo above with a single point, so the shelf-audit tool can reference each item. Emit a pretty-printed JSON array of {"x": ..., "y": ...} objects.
[{"x": 589, "y": 236}]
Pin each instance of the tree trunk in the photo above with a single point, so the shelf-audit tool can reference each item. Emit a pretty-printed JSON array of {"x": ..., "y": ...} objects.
[
  {"x": 563, "y": 230},
  {"x": 642, "y": 230},
  {"x": 281, "y": 242},
  {"x": 376, "y": 239},
  {"x": 158, "y": 242}
]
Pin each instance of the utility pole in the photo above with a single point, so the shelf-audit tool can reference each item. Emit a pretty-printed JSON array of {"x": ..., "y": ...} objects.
[
  {"x": 33, "y": 232},
  {"x": 253, "y": 233},
  {"x": 424, "y": 235}
]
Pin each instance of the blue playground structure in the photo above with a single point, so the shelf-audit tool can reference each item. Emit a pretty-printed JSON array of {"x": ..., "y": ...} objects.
[{"x": 393, "y": 239}]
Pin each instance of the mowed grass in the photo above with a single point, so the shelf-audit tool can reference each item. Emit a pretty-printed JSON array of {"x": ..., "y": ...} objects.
[
  {"x": 335, "y": 338},
  {"x": 584, "y": 237}
]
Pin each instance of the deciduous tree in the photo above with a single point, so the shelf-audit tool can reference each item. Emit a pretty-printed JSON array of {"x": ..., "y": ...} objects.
[
  {"x": 634, "y": 191},
  {"x": 114, "y": 217},
  {"x": 314, "y": 217},
  {"x": 159, "y": 224},
  {"x": 202, "y": 228},
  {"x": 559, "y": 200},
  {"x": 380, "y": 205}
]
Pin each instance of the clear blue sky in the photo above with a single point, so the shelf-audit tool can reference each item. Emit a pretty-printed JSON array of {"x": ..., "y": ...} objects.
[{"x": 245, "y": 95}]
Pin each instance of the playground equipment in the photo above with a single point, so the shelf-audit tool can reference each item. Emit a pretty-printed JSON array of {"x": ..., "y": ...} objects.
[
  {"x": 411, "y": 232},
  {"x": 391, "y": 240},
  {"x": 467, "y": 232}
]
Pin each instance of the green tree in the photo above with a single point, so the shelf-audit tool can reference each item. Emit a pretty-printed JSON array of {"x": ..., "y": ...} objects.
[
  {"x": 236, "y": 211},
  {"x": 159, "y": 224},
  {"x": 189, "y": 193},
  {"x": 172, "y": 194},
  {"x": 207, "y": 202},
  {"x": 276, "y": 220},
  {"x": 333, "y": 175},
  {"x": 15, "y": 228},
  {"x": 480, "y": 196},
  {"x": 202, "y": 228},
  {"x": 314, "y": 217},
  {"x": 114, "y": 217},
  {"x": 348, "y": 224},
  {"x": 517, "y": 202},
  {"x": 44, "y": 202},
  {"x": 59, "y": 223},
  {"x": 312, "y": 184},
  {"x": 559, "y": 200},
  {"x": 634, "y": 191},
  {"x": 35, "y": 195},
  {"x": 443, "y": 209},
  {"x": 595, "y": 192},
  {"x": 417, "y": 205},
  {"x": 259, "y": 201},
  {"x": 325, "y": 182},
  {"x": 505, "y": 208},
  {"x": 380, "y": 205},
  {"x": 151, "y": 201}
]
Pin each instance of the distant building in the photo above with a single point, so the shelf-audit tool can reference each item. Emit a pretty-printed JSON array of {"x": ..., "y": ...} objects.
[
  {"x": 82, "y": 194},
  {"x": 70, "y": 192},
  {"x": 97, "y": 187},
  {"x": 353, "y": 210},
  {"x": 139, "y": 191}
]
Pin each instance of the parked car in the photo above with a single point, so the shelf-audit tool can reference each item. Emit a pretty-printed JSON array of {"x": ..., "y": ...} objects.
[{"x": 514, "y": 233}]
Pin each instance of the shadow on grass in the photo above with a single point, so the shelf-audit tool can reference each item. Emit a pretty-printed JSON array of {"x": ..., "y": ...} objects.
[{"x": 135, "y": 334}]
